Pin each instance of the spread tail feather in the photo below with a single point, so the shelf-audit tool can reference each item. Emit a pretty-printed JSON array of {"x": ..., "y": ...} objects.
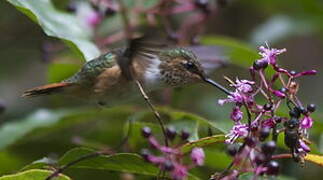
[{"x": 46, "y": 89}]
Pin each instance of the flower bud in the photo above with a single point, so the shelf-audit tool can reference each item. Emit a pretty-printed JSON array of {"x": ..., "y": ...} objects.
[
  {"x": 306, "y": 122},
  {"x": 273, "y": 168},
  {"x": 268, "y": 148},
  {"x": 168, "y": 165},
  {"x": 260, "y": 158},
  {"x": 146, "y": 132},
  {"x": 185, "y": 135},
  {"x": 197, "y": 156},
  {"x": 250, "y": 141},
  {"x": 170, "y": 132},
  {"x": 267, "y": 106},
  {"x": 260, "y": 64},
  {"x": 264, "y": 133},
  {"x": 233, "y": 149},
  {"x": 311, "y": 107},
  {"x": 145, "y": 153}
]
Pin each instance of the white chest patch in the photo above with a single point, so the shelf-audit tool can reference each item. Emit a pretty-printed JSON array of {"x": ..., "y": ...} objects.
[{"x": 152, "y": 74}]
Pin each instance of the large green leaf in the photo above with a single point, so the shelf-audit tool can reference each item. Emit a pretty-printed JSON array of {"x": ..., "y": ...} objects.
[
  {"x": 177, "y": 115},
  {"x": 238, "y": 52},
  {"x": 56, "y": 120},
  {"x": 33, "y": 174},
  {"x": 60, "y": 25},
  {"x": 123, "y": 162},
  {"x": 12, "y": 131}
]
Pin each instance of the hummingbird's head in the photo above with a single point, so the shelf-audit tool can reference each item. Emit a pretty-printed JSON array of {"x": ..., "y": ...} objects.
[{"x": 181, "y": 66}]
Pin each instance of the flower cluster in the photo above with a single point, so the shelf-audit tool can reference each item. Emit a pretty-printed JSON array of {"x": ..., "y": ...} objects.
[
  {"x": 91, "y": 14},
  {"x": 171, "y": 158},
  {"x": 255, "y": 154}
]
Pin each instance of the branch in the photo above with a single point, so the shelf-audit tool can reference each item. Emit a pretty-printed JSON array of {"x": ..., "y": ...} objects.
[
  {"x": 157, "y": 115},
  {"x": 83, "y": 158}
]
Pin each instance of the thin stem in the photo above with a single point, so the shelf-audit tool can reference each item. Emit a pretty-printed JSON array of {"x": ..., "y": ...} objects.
[
  {"x": 281, "y": 156},
  {"x": 83, "y": 158},
  {"x": 156, "y": 113},
  {"x": 249, "y": 115}
]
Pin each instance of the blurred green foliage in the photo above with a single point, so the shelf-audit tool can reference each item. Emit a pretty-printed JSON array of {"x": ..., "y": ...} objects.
[{"x": 35, "y": 133}]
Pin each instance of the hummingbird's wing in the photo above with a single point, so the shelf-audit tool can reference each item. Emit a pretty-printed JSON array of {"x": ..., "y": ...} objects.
[{"x": 143, "y": 50}]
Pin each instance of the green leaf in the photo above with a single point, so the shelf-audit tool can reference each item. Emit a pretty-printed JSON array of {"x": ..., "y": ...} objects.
[
  {"x": 38, "y": 164},
  {"x": 122, "y": 162},
  {"x": 34, "y": 174},
  {"x": 221, "y": 156},
  {"x": 60, "y": 25},
  {"x": 203, "y": 142},
  {"x": 238, "y": 52},
  {"x": 55, "y": 119},
  {"x": 12, "y": 131},
  {"x": 9, "y": 162},
  {"x": 181, "y": 115}
]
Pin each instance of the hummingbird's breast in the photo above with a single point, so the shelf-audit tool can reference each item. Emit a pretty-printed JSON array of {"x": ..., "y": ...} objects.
[{"x": 111, "y": 87}]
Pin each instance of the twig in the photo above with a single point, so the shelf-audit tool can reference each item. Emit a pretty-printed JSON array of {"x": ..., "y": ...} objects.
[
  {"x": 281, "y": 156},
  {"x": 157, "y": 115},
  {"x": 83, "y": 158},
  {"x": 248, "y": 114},
  {"x": 91, "y": 155}
]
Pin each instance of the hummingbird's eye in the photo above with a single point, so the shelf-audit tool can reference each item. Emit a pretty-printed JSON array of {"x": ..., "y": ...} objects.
[{"x": 189, "y": 66}]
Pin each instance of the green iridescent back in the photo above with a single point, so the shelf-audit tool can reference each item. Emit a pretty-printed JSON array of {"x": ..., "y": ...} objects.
[{"x": 95, "y": 67}]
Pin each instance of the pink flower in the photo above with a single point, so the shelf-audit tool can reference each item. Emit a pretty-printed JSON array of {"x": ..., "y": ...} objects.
[
  {"x": 93, "y": 19},
  {"x": 269, "y": 123},
  {"x": 306, "y": 73},
  {"x": 171, "y": 159},
  {"x": 155, "y": 159},
  {"x": 242, "y": 93},
  {"x": 278, "y": 93},
  {"x": 197, "y": 156},
  {"x": 306, "y": 122},
  {"x": 238, "y": 130},
  {"x": 243, "y": 86},
  {"x": 236, "y": 97},
  {"x": 304, "y": 146},
  {"x": 236, "y": 114},
  {"x": 269, "y": 54},
  {"x": 179, "y": 172}
]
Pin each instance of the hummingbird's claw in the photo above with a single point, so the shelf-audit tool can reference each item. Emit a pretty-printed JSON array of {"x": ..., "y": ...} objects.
[{"x": 223, "y": 89}]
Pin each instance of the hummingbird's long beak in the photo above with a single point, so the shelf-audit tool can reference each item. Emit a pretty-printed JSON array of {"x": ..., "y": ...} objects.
[{"x": 223, "y": 89}]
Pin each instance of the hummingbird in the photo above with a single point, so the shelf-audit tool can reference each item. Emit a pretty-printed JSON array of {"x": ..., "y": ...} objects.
[{"x": 109, "y": 78}]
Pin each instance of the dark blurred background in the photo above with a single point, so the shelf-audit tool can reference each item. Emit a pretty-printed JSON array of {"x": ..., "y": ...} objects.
[{"x": 292, "y": 24}]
